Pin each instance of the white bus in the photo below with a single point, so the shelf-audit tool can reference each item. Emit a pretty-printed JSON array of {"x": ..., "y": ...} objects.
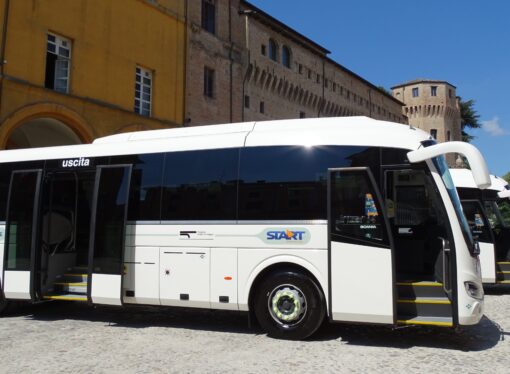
[
  {"x": 483, "y": 210},
  {"x": 294, "y": 221}
]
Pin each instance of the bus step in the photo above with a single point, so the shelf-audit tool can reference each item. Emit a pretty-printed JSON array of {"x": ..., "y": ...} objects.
[
  {"x": 72, "y": 287},
  {"x": 426, "y": 321},
  {"x": 503, "y": 275},
  {"x": 502, "y": 266},
  {"x": 73, "y": 278},
  {"x": 424, "y": 307},
  {"x": 66, "y": 297},
  {"x": 420, "y": 289}
]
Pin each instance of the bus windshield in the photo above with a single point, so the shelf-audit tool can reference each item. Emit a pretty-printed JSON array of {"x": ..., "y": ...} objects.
[
  {"x": 498, "y": 213},
  {"x": 442, "y": 168}
]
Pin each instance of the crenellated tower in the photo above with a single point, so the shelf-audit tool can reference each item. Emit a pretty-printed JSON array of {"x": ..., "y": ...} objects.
[{"x": 433, "y": 106}]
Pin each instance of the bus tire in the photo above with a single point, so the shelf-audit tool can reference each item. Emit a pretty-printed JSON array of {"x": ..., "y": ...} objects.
[{"x": 289, "y": 305}]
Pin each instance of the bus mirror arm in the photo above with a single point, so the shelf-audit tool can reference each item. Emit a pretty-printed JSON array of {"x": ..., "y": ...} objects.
[{"x": 475, "y": 159}]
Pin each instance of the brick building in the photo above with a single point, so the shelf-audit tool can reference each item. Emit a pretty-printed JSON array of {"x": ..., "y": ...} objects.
[
  {"x": 245, "y": 65},
  {"x": 215, "y": 59},
  {"x": 433, "y": 106}
]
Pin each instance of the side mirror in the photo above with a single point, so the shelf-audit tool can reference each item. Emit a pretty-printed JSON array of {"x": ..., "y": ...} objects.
[{"x": 476, "y": 161}]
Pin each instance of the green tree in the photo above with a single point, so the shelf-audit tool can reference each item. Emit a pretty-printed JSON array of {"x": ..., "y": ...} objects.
[
  {"x": 387, "y": 92},
  {"x": 504, "y": 205},
  {"x": 470, "y": 119},
  {"x": 507, "y": 177}
]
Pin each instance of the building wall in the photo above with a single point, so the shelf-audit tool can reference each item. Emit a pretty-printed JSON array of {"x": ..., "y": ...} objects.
[
  {"x": 109, "y": 39},
  {"x": 427, "y": 112},
  {"x": 313, "y": 86},
  {"x": 223, "y": 52},
  {"x": 242, "y": 71}
]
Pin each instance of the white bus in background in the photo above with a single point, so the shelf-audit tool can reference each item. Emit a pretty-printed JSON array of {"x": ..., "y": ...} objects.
[
  {"x": 483, "y": 212},
  {"x": 350, "y": 219}
]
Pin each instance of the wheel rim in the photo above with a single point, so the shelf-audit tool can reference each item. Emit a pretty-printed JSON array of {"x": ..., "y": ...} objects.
[{"x": 287, "y": 305}]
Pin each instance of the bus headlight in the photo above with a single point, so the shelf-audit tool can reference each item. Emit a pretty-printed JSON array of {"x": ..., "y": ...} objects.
[{"x": 473, "y": 290}]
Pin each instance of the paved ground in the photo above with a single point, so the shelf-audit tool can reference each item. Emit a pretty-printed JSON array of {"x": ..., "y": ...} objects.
[{"x": 69, "y": 338}]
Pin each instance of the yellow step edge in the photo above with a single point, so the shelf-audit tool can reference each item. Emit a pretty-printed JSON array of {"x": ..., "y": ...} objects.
[
  {"x": 420, "y": 284},
  {"x": 76, "y": 275},
  {"x": 427, "y": 323},
  {"x": 70, "y": 284},
  {"x": 63, "y": 297},
  {"x": 503, "y": 282},
  {"x": 424, "y": 301},
  {"x": 503, "y": 272},
  {"x": 503, "y": 263}
]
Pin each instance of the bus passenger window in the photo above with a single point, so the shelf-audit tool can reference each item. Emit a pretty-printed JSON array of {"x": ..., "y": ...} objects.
[{"x": 355, "y": 211}]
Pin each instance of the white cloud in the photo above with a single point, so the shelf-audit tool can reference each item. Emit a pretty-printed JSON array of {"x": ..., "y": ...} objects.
[{"x": 493, "y": 127}]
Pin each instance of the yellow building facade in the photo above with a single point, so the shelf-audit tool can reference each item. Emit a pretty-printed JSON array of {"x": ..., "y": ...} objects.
[{"x": 75, "y": 70}]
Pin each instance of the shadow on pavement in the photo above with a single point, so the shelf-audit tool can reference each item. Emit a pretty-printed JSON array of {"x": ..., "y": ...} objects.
[
  {"x": 140, "y": 316},
  {"x": 498, "y": 290},
  {"x": 480, "y": 337}
]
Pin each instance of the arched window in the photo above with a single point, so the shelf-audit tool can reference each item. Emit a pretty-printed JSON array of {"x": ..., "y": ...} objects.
[
  {"x": 273, "y": 50},
  {"x": 286, "y": 56}
]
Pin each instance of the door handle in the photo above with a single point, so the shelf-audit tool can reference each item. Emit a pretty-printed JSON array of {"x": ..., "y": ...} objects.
[{"x": 446, "y": 263}]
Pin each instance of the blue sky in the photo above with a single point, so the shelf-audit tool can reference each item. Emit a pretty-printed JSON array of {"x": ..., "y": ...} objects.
[{"x": 465, "y": 42}]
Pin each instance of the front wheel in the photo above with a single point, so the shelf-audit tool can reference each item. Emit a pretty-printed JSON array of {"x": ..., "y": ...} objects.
[{"x": 289, "y": 305}]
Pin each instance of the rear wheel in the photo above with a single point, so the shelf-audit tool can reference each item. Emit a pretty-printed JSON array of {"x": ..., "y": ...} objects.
[{"x": 289, "y": 305}]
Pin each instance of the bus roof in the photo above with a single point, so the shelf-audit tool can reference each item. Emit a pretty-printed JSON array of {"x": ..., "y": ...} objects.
[
  {"x": 463, "y": 178},
  {"x": 357, "y": 131}
]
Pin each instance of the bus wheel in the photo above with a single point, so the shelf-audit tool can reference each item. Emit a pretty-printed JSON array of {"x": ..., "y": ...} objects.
[{"x": 289, "y": 305}]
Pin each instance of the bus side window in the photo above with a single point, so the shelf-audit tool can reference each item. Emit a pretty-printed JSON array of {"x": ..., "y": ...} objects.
[{"x": 356, "y": 212}]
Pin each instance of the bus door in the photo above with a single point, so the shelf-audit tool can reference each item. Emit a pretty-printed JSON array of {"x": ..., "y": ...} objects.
[
  {"x": 423, "y": 247},
  {"x": 107, "y": 237},
  {"x": 361, "y": 264},
  {"x": 20, "y": 268},
  {"x": 480, "y": 228}
]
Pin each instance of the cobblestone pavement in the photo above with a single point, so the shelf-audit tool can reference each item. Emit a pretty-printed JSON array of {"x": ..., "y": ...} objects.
[{"x": 73, "y": 338}]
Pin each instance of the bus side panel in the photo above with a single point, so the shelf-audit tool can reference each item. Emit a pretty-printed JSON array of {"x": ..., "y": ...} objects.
[
  {"x": 195, "y": 259},
  {"x": 184, "y": 276},
  {"x": 224, "y": 278},
  {"x": 488, "y": 262},
  {"x": 141, "y": 275}
]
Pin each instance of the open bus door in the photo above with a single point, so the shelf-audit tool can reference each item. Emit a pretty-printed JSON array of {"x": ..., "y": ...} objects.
[
  {"x": 107, "y": 234},
  {"x": 20, "y": 269},
  {"x": 361, "y": 264}
]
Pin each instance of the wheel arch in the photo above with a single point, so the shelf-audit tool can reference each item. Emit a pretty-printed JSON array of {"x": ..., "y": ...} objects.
[{"x": 280, "y": 263}]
